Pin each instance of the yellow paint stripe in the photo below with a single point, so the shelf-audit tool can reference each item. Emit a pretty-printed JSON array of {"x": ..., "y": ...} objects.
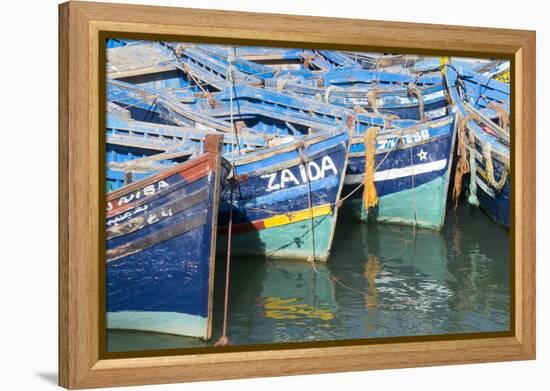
[{"x": 300, "y": 215}]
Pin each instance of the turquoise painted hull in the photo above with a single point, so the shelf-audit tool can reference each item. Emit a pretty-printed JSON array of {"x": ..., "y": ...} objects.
[
  {"x": 424, "y": 206},
  {"x": 293, "y": 241},
  {"x": 411, "y": 180}
]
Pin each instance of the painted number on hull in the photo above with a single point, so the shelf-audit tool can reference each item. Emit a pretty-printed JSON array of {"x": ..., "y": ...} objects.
[
  {"x": 411, "y": 138},
  {"x": 286, "y": 177}
]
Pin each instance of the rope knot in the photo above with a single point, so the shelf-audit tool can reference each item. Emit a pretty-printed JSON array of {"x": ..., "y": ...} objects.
[{"x": 222, "y": 342}]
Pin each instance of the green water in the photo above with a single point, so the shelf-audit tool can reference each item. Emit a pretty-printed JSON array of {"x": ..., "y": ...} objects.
[{"x": 381, "y": 281}]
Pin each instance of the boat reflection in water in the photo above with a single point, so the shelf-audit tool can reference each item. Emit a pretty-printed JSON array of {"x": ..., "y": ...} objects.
[
  {"x": 279, "y": 301},
  {"x": 420, "y": 282},
  {"x": 381, "y": 281}
]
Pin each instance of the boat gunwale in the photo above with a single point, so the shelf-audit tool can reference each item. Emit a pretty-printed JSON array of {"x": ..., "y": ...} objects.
[{"x": 205, "y": 159}]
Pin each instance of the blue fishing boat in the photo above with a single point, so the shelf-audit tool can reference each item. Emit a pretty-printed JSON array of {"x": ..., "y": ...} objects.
[
  {"x": 283, "y": 205},
  {"x": 338, "y": 59},
  {"x": 285, "y": 199},
  {"x": 141, "y": 62},
  {"x": 210, "y": 62},
  {"x": 162, "y": 107},
  {"x": 494, "y": 69},
  {"x": 482, "y": 106},
  {"x": 136, "y": 149},
  {"x": 479, "y": 91},
  {"x": 268, "y": 111},
  {"x": 384, "y": 61},
  {"x": 274, "y": 59},
  {"x": 284, "y": 202},
  {"x": 377, "y": 92},
  {"x": 276, "y": 114},
  {"x": 173, "y": 68},
  {"x": 412, "y": 158},
  {"x": 160, "y": 243},
  {"x": 403, "y": 174}
]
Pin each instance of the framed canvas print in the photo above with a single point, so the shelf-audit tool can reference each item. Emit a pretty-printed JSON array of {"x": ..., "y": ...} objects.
[{"x": 248, "y": 195}]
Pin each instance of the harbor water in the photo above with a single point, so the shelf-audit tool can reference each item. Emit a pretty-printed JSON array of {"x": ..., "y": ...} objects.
[{"x": 381, "y": 281}]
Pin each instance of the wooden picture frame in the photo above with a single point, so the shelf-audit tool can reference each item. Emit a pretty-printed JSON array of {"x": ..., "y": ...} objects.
[{"x": 82, "y": 24}]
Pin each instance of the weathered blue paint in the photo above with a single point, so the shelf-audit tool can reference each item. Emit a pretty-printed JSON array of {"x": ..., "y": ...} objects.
[
  {"x": 114, "y": 43},
  {"x": 479, "y": 90},
  {"x": 411, "y": 177},
  {"x": 337, "y": 59},
  {"x": 270, "y": 109},
  {"x": 149, "y": 105},
  {"x": 348, "y": 77},
  {"x": 256, "y": 53},
  {"x": 391, "y": 99},
  {"x": 276, "y": 183},
  {"x": 266, "y": 191},
  {"x": 470, "y": 94},
  {"x": 304, "y": 174},
  {"x": 270, "y": 112},
  {"x": 160, "y": 237},
  {"x": 128, "y": 140}
]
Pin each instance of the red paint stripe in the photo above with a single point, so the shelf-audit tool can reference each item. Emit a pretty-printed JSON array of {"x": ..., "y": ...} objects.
[
  {"x": 257, "y": 225},
  {"x": 204, "y": 159},
  {"x": 190, "y": 171}
]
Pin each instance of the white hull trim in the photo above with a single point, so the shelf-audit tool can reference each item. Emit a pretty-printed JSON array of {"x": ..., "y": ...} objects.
[
  {"x": 160, "y": 322},
  {"x": 395, "y": 173}
]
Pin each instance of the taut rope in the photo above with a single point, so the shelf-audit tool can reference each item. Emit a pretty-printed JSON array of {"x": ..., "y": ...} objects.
[{"x": 224, "y": 340}]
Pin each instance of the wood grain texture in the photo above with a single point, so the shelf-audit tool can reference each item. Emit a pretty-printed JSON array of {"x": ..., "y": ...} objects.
[
  {"x": 81, "y": 197},
  {"x": 63, "y": 220}
]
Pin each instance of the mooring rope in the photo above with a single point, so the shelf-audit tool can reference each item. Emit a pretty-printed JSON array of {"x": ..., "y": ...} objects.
[
  {"x": 304, "y": 162},
  {"x": 463, "y": 166},
  {"x": 413, "y": 90},
  {"x": 281, "y": 82},
  {"x": 375, "y": 169},
  {"x": 413, "y": 194},
  {"x": 372, "y": 97},
  {"x": 489, "y": 170},
  {"x": 472, "y": 187},
  {"x": 503, "y": 117},
  {"x": 370, "y": 198},
  {"x": 328, "y": 91},
  {"x": 360, "y": 109},
  {"x": 185, "y": 68},
  {"x": 224, "y": 340}
]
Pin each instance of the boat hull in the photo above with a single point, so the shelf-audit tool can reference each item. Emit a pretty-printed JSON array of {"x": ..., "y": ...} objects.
[
  {"x": 496, "y": 205},
  {"x": 273, "y": 215},
  {"x": 489, "y": 138},
  {"x": 160, "y": 250},
  {"x": 494, "y": 202},
  {"x": 411, "y": 180}
]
